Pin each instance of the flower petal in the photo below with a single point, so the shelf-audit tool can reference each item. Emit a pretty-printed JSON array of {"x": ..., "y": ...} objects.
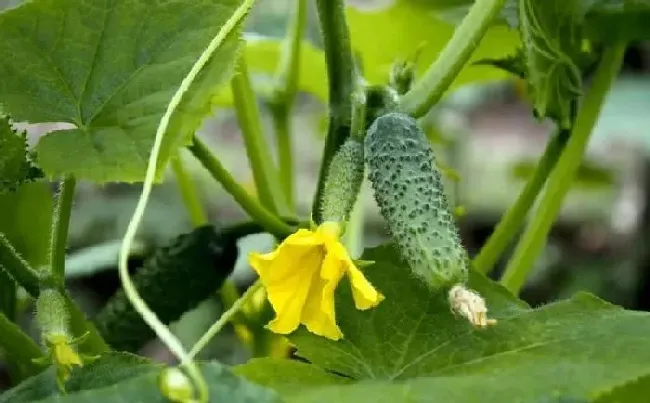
[
  {"x": 286, "y": 274},
  {"x": 319, "y": 314},
  {"x": 364, "y": 294}
]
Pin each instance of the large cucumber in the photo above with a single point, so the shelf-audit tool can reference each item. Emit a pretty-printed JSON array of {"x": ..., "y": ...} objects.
[
  {"x": 409, "y": 190},
  {"x": 410, "y": 193},
  {"x": 173, "y": 281}
]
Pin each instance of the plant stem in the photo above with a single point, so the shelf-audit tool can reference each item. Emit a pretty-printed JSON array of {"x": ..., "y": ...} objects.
[
  {"x": 264, "y": 217},
  {"x": 30, "y": 280},
  {"x": 284, "y": 96},
  {"x": 259, "y": 155},
  {"x": 341, "y": 74},
  {"x": 513, "y": 219},
  {"x": 19, "y": 346},
  {"x": 18, "y": 268},
  {"x": 289, "y": 66},
  {"x": 281, "y": 116},
  {"x": 532, "y": 242},
  {"x": 60, "y": 226},
  {"x": 190, "y": 195},
  {"x": 224, "y": 319},
  {"x": 429, "y": 89},
  {"x": 140, "y": 305}
]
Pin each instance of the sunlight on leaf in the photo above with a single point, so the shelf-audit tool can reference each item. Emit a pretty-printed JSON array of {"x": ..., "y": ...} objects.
[{"x": 110, "y": 68}]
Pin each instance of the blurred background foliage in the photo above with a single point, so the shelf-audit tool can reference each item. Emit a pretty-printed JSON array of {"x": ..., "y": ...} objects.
[{"x": 483, "y": 129}]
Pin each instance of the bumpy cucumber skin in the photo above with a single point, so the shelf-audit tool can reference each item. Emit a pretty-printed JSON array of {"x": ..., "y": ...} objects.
[
  {"x": 173, "y": 281},
  {"x": 410, "y": 193},
  {"x": 343, "y": 182}
]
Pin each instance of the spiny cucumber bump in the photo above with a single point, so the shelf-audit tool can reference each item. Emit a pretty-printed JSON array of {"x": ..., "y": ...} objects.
[
  {"x": 343, "y": 182},
  {"x": 409, "y": 190}
]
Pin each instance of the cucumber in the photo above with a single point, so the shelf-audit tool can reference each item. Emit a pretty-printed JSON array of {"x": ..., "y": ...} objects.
[
  {"x": 409, "y": 190},
  {"x": 343, "y": 182},
  {"x": 174, "y": 280}
]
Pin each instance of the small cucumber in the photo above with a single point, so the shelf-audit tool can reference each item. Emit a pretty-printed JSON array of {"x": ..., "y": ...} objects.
[
  {"x": 343, "y": 182},
  {"x": 174, "y": 280},
  {"x": 409, "y": 190}
]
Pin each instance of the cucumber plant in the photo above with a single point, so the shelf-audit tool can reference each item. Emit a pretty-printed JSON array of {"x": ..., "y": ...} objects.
[{"x": 134, "y": 80}]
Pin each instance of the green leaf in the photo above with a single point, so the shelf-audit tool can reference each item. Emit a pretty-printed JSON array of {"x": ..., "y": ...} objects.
[
  {"x": 550, "y": 32},
  {"x": 111, "y": 368},
  {"x": 120, "y": 377},
  {"x": 287, "y": 377},
  {"x": 110, "y": 68},
  {"x": 27, "y": 219},
  {"x": 634, "y": 391},
  {"x": 411, "y": 348},
  {"x": 406, "y": 25},
  {"x": 263, "y": 55},
  {"x": 16, "y": 165}
]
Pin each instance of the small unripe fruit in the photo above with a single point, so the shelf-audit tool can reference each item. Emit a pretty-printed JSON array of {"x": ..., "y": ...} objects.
[{"x": 343, "y": 182}]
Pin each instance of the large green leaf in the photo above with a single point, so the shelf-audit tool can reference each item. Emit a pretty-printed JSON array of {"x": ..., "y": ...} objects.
[
  {"x": 120, "y": 377},
  {"x": 27, "y": 219},
  {"x": 411, "y": 348},
  {"x": 382, "y": 36},
  {"x": 110, "y": 68}
]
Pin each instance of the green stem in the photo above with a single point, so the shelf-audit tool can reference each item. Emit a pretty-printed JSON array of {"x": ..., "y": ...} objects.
[
  {"x": 190, "y": 195},
  {"x": 29, "y": 279},
  {"x": 289, "y": 66},
  {"x": 259, "y": 155},
  {"x": 429, "y": 89},
  {"x": 284, "y": 96},
  {"x": 282, "y": 125},
  {"x": 224, "y": 319},
  {"x": 341, "y": 81},
  {"x": 264, "y": 217},
  {"x": 60, "y": 226},
  {"x": 19, "y": 346},
  {"x": 17, "y": 267},
  {"x": 532, "y": 241},
  {"x": 513, "y": 219}
]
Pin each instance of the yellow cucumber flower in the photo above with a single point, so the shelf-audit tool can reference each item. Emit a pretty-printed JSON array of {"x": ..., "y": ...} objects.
[{"x": 301, "y": 275}]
